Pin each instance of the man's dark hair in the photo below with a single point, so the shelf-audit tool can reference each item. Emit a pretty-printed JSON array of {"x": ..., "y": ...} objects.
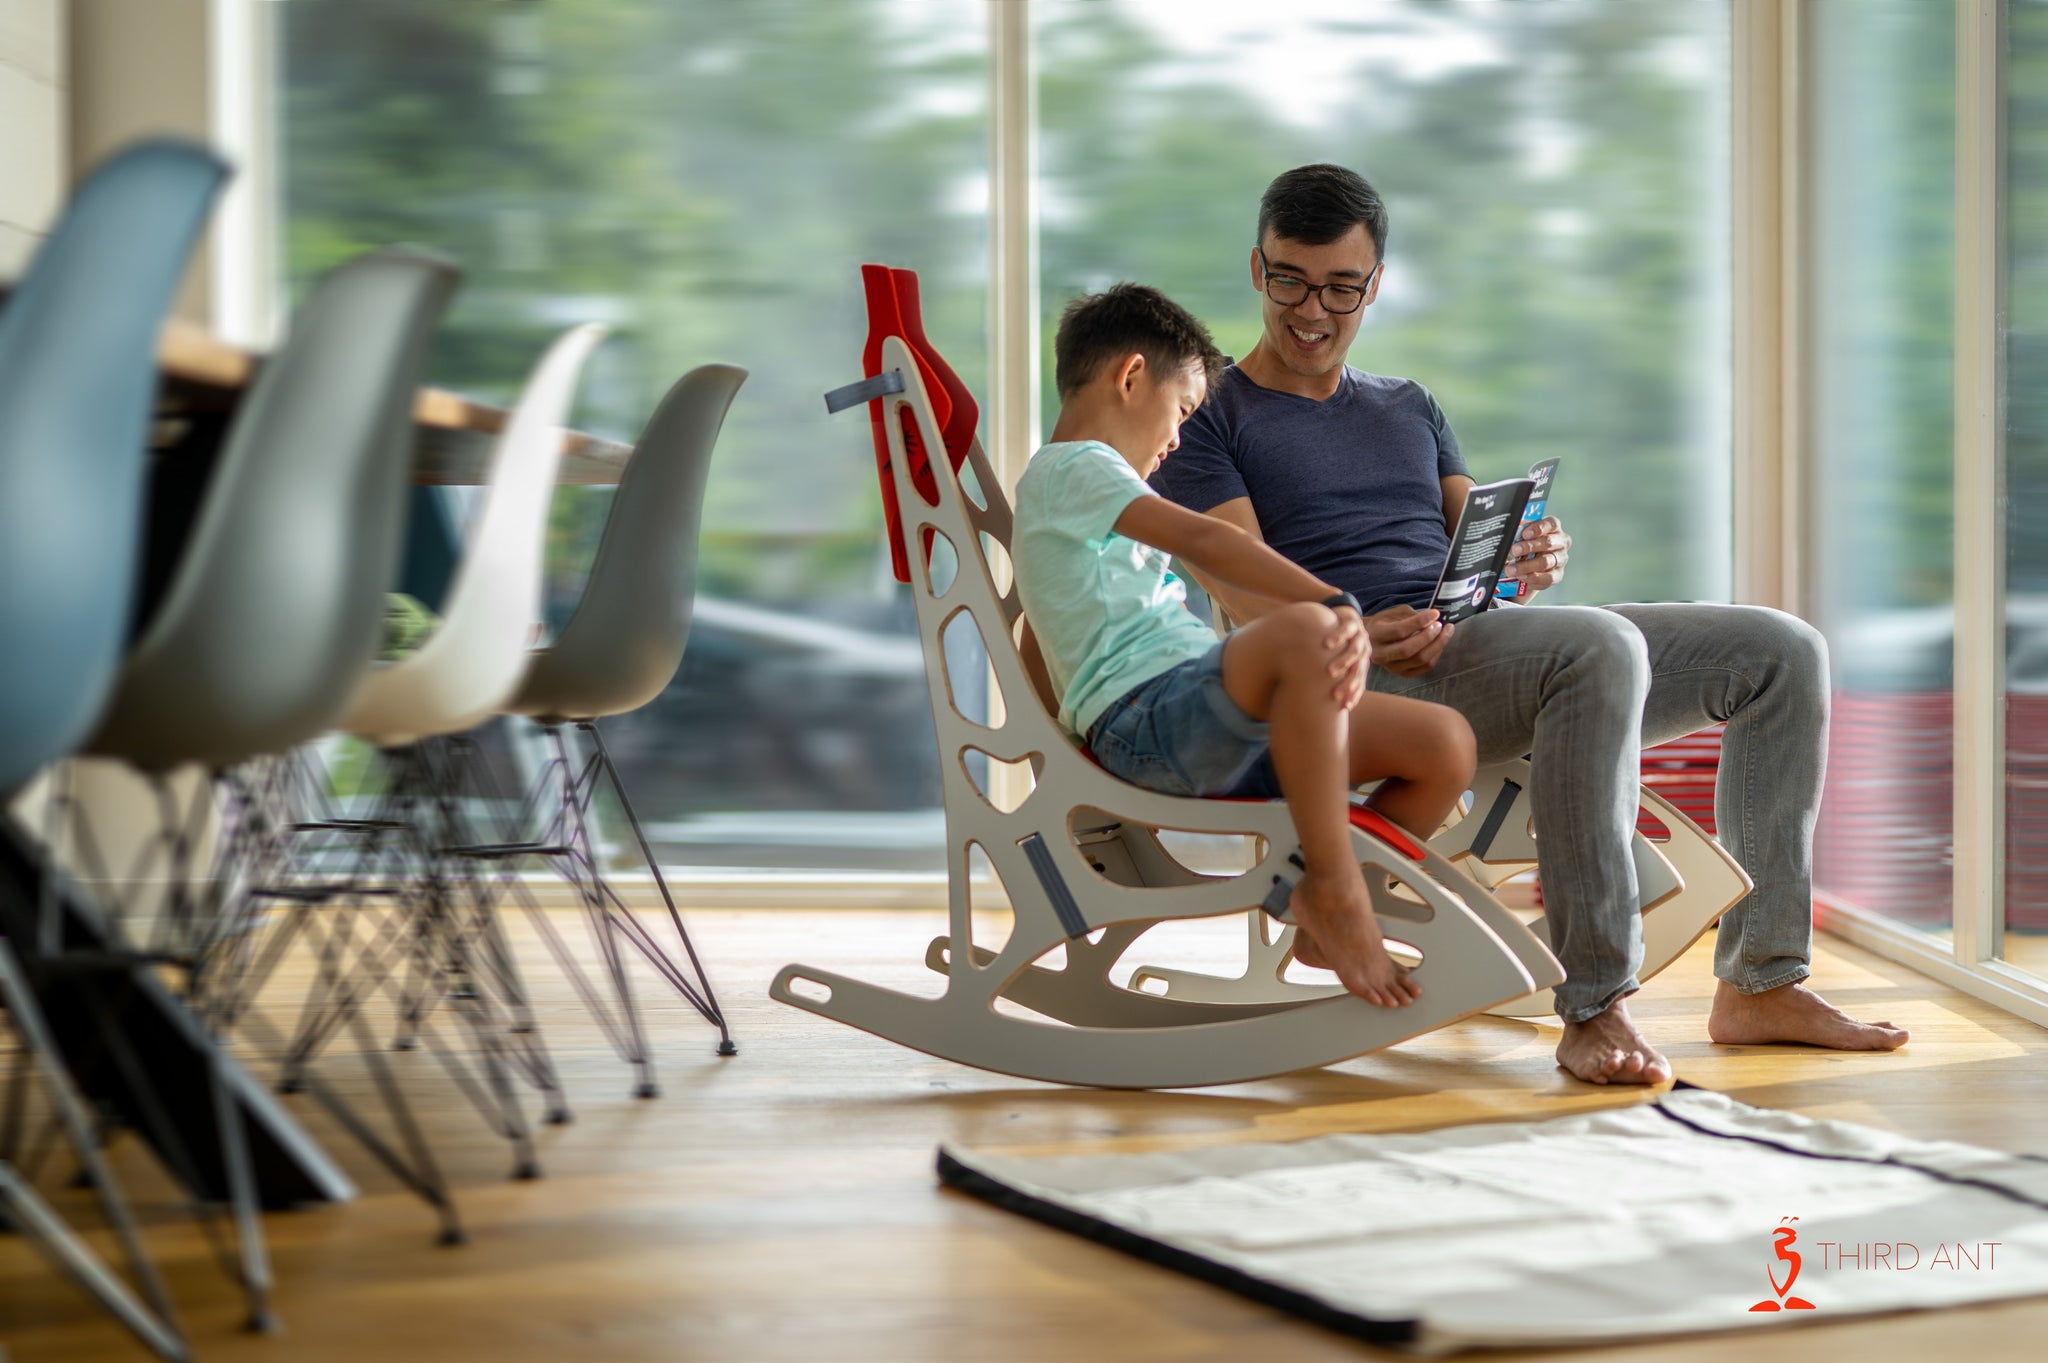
[
  {"x": 1128, "y": 319},
  {"x": 1317, "y": 204}
]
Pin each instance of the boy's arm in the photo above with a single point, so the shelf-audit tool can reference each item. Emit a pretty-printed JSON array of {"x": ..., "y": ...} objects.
[
  {"x": 1232, "y": 557},
  {"x": 1240, "y": 606},
  {"x": 1224, "y": 553}
]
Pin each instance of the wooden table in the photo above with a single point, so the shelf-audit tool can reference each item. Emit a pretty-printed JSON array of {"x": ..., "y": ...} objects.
[{"x": 204, "y": 377}]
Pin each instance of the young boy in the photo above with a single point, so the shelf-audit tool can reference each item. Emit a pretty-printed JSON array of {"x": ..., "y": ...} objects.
[{"x": 1278, "y": 708}]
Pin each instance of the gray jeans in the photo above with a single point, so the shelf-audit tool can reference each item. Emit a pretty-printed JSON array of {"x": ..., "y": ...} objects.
[{"x": 1581, "y": 691}]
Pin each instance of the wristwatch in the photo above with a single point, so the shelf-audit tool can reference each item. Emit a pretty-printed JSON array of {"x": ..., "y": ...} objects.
[{"x": 1341, "y": 600}]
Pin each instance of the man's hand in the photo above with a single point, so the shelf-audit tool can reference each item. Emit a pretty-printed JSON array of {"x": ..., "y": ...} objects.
[
  {"x": 1406, "y": 641},
  {"x": 1350, "y": 651},
  {"x": 1538, "y": 556}
]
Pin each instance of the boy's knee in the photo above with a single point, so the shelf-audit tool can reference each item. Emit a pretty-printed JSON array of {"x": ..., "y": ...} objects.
[
  {"x": 1457, "y": 748},
  {"x": 1302, "y": 629}
]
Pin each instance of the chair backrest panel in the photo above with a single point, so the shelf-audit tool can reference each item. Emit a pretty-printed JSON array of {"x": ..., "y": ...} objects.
[
  {"x": 472, "y": 664},
  {"x": 624, "y": 642},
  {"x": 275, "y": 608},
  {"x": 78, "y": 338}
]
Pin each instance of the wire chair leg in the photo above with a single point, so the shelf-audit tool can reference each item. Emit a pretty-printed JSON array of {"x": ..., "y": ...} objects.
[{"x": 709, "y": 1005}]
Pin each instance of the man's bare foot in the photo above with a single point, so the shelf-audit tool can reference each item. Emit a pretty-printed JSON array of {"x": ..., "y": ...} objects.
[
  {"x": 1337, "y": 928},
  {"x": 1607, "y": 1049},
  {"x": 1792, "y": 1012}
]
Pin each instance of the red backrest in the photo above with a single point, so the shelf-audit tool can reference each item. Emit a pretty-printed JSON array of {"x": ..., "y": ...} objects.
[{"x": 893, "y": 310}]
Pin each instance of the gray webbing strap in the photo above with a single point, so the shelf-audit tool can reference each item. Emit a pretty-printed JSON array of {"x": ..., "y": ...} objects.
[
  {"x": 867, "y": 390},
  {"x": 1281, "y": 895},
  {"x": 1040, "y": 857},
  {"x": 1495, "y": 817}
]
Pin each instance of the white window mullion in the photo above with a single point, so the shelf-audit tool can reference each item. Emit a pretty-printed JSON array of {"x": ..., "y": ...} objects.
[
  {"x": 1765, "y": 189},
  {"x": 1979, "y": 484},
  {"x": 1012, "y": 425},
  {"x": 247, "y": 304}
]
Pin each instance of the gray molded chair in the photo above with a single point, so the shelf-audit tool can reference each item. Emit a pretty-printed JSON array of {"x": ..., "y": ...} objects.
[
  {"x": 78, "y": 336},
  {"x": 618, "y": 651},
  {"x": 622, "y": 646},
  {"x": 276, "y": 606},
  {"x": 276, "y": 601}
]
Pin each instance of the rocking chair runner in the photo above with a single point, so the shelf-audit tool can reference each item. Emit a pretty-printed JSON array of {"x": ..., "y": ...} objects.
[{"x": 1081, "y": 856}]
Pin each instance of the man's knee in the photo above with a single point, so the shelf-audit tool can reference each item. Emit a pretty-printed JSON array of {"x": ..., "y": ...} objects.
[
  {"x": 1791, "y": 642},
  {"x": 1602, "y": 648}
]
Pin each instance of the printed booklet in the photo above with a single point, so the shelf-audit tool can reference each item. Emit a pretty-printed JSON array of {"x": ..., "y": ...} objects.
[{"x": 1494, "y": 514}]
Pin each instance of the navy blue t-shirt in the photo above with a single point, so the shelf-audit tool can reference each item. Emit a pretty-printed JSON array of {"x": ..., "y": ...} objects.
[{"x": 1346, "y": 487}]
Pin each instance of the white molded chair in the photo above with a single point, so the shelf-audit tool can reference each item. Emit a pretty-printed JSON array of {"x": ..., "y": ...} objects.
[
  {"x": 1081, "y": 856},
  {"x": 447, "y": 943},
  {"x": 473, "y": 662}
]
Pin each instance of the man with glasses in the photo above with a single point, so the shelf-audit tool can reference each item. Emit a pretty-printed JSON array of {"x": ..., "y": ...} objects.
[{"x": 1358, "y": 478}]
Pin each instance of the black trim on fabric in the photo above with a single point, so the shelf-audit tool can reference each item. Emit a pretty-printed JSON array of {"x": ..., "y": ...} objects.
[
  {"x": 974, "y": 1183},
  {"x": 1935, "y": 1174}
]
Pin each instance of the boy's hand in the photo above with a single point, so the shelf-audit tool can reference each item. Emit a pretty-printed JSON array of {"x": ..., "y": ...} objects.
[
  {"x": 1350, "y": 650},
  {"x": 1406, "y": 641},
  {"x": 1539, "y": 555}
]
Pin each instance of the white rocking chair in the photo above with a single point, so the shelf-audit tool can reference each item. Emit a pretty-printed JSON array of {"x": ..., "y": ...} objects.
[{"x": 1081, "y": 857}]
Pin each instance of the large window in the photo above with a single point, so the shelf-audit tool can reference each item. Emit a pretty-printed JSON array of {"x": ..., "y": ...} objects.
[
  {"x": 1882, "y": 264},
  {"x": 707, "y": 178},
  {"x": 1557, "y": 264}
]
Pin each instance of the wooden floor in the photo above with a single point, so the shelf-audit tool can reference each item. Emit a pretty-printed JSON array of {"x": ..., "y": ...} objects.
[{"x": 781, "y": 1205}]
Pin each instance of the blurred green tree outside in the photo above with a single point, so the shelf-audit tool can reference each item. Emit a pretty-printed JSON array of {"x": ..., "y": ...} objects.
[{"x": 707, "y": 175}]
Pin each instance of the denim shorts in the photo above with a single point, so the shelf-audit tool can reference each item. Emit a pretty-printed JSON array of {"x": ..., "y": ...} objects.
[{"x": 1182, "y": 734}]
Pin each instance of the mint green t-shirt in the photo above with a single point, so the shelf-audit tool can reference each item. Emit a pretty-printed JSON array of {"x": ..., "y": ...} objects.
[{"x": 1107, "y": 613}]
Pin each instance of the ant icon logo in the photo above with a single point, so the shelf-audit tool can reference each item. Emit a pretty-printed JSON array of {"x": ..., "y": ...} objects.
[{"x": 1783, "y": 1252}]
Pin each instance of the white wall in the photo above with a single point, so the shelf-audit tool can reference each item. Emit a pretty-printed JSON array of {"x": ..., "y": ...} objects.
[
  {"x": 34, "y": 123},
  {"x": 138, "y": 67}
]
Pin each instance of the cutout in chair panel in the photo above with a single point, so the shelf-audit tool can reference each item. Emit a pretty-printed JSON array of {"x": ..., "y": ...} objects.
[
  {"x": 1215, "y": 945},
  {"x": 987, "y": 772},
  {"x": 815, "y": 990},
  {"x": 1132, "y": 855},
  {"x": 941, "y": 563},
  {"x": 970, "y": 486},
  {"x": 997, "y": 558},
  {"x": 1652, "y": 827},
  {"x": 970, "y": 685},
  {"x": 988, "y": 905}
]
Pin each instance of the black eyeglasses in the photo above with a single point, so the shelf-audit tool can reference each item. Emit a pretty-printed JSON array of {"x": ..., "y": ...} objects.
[{"x": 1289, "y": 291}]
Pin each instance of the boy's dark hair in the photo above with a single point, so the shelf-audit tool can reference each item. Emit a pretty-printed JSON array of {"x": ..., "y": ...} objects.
[
  {"x": 1317, "y": 204},
  {"x": 1128, "y": 319}
]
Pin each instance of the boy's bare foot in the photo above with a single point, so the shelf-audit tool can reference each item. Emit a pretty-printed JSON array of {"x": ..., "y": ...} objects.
[
  {"x": 1607, "y": 1049},
  {"x": 1306, "y": 951},
  {"x": 1336, "y": 924},
  {"x": 1792, "y": 1012}
]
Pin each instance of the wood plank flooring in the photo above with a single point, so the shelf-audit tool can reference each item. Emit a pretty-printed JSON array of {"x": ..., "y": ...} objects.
[{"x": 780, "y": 1205}]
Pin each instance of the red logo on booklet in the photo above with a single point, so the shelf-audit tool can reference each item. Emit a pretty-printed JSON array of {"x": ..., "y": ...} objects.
[{"x": 1783, "y": 1253}]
